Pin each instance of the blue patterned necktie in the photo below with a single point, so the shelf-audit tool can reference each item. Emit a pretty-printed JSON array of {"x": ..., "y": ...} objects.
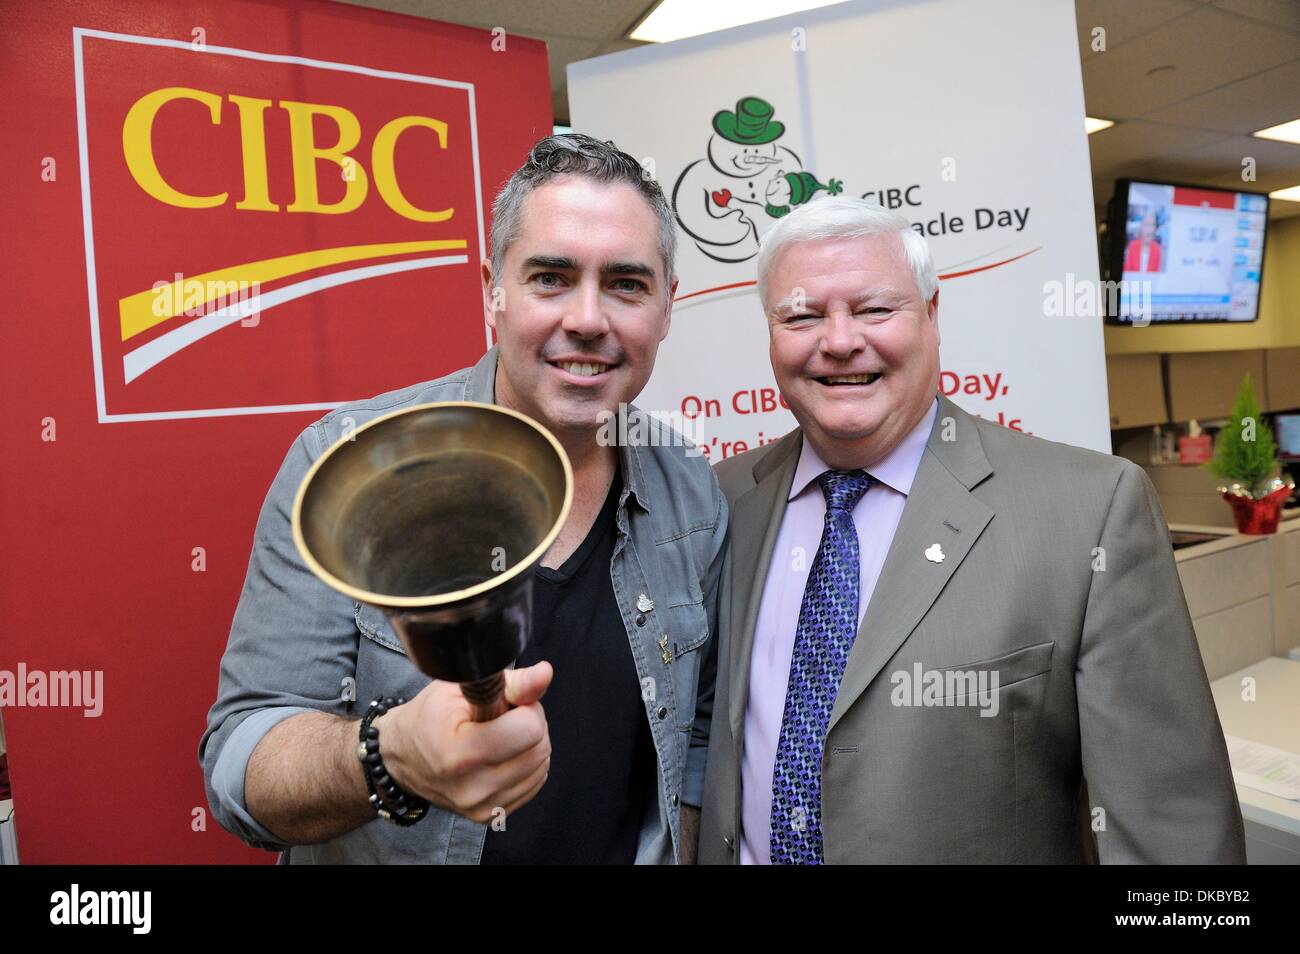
[{"x": 828, "y": 623}]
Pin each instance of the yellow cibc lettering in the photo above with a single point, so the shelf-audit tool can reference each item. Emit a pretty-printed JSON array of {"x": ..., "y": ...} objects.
[
  {"x": 386, "y": 175},
  {"x": 306, "y": 197},
  {"x": 305, "y": 152},
  {"x": 252, "y": 135},
  {"x": 137, "y": 145}
]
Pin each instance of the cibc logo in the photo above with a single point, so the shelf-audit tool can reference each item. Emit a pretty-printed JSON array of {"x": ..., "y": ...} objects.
[{"x": 253, "y": 220}]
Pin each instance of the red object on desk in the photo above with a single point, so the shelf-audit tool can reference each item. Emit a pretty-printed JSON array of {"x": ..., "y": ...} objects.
[{"x": 1195, "y": 450}]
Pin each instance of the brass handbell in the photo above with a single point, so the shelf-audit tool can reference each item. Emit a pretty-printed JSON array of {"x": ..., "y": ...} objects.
[{"x": 438, "y": 515}]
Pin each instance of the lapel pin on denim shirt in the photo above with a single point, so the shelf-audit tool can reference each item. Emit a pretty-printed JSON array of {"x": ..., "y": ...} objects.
[
  {"x": 644, "y": 604},
  {"x": 664, "y": 651},
  {"x": 935, "y": 553}
]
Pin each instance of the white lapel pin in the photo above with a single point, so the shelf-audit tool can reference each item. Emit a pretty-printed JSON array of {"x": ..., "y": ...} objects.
[{"x": 934, "y": 553}]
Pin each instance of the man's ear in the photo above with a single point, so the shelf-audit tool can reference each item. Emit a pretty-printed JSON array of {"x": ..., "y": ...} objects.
[
  {"x": 485, "y": 273},
  {"x": 933, "y": 309},
  {"x": 668, "y": 309}
]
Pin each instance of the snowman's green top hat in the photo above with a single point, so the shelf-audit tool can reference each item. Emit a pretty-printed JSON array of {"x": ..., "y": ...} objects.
[{"x": 750, "y": 125}]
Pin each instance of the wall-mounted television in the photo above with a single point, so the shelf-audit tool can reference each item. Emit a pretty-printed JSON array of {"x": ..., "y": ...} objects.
[
  {"x": 1287, "y": 427},
  {"x": 1183, "y": 253}
]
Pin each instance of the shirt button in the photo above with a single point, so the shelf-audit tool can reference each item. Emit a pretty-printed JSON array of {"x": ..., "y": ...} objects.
[
  {"x": 640, "y": 620},
  {"x": 674, "y": 801},
  {"x": 663, "y": 712}
]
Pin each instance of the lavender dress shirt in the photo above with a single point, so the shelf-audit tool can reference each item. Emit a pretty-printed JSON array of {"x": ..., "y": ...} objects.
[{"x": 876, "y": 518}]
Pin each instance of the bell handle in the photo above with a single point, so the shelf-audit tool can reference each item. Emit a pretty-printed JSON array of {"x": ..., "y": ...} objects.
[{"x": 486, "y": 697}]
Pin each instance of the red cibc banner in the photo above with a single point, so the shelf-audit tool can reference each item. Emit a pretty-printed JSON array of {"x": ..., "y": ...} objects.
[{"x": 220, "y": 220}]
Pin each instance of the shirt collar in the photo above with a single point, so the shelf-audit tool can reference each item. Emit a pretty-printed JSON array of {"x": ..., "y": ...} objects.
[
  {"x": 480, "y": 386},
  {"x": 897, "y": 469}
]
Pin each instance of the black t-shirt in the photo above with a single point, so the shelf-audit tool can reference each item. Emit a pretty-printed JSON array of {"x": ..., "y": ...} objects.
[{"x": 603, "y": 768}]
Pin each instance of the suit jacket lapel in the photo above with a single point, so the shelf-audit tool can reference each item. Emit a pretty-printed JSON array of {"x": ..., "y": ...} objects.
[
  {"x": 939, "y": 509},
  {"x": 755, "y": 521}
]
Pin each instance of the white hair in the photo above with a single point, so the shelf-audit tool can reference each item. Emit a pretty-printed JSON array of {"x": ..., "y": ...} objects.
[{"x": 841, "y": 217}]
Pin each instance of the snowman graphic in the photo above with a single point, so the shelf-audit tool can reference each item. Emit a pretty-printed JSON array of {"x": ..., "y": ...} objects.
[{"x": 725, "y": 201}]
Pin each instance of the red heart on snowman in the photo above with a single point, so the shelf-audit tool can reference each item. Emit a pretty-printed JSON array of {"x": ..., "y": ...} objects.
[{"x": 723, "y": 197}]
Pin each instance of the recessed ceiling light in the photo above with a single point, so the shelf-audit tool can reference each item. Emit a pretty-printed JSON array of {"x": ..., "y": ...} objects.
[
  {"x": 1291, "y": 194},
  {"x": 1091, "y": 124},
  {"x": 677, "y": 19},
  {"x": 1286, "y": 132}
]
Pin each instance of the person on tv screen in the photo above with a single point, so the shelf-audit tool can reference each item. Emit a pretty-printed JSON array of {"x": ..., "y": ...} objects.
[{"x": 1143, "y": 252}]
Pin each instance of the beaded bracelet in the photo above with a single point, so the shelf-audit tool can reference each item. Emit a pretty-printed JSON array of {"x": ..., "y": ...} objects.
[{"x": 408, "y": 809}]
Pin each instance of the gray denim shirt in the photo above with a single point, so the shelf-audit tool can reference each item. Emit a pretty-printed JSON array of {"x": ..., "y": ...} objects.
[{"x": 298, "y": 646}]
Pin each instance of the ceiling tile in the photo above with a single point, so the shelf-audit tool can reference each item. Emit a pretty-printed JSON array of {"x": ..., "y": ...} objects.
[
  {"x": 1124, "y": 20},
  {"x": 1208, "y": 49},
  {"x": 1283, "y": 13},
  {"x": 1224, "y": 158},
  {"x": 1139, "y": 141},
  {"x": 1241, "y": 107}
]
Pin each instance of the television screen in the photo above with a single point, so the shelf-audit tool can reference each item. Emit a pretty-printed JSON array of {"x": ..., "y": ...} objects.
[
  {"x": 1288, "y": 436},
  {"x": 1185, "y": 253}
]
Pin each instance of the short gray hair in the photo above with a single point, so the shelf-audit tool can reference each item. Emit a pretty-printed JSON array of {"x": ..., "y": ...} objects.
[
  {"x": 838, "y": 217},
  {"x": 577, "y": 154}
]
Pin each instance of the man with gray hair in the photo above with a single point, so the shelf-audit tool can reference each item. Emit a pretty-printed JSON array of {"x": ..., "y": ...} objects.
[
  {"x": 940, "y": 640},
  {"x": 578, "y": 290}
]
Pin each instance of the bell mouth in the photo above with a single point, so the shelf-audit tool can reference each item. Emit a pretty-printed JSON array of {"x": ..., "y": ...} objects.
[{"x": 432, "y": 505}]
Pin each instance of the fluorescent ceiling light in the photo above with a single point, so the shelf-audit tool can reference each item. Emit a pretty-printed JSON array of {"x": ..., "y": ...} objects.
[
  {"x": 677, "y": 19},
  {"x": 1287, "y": 132},
  {"x": 1290, "y": 195},
  {"x": 1092, "y": 125}
]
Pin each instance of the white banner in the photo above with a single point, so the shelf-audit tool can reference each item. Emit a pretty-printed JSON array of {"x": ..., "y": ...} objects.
[{"x": 967, "y": 118}]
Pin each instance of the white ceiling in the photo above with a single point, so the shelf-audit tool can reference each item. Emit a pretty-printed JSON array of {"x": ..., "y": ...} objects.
[{"x": 1185, "y": 81}]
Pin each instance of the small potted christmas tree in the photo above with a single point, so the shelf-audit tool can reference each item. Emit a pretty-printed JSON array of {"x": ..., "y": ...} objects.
[{"x": 1245, "y": 457}]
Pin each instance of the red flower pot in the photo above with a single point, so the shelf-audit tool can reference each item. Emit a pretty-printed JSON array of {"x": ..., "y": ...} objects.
[{"x": 1258, "y": 516}]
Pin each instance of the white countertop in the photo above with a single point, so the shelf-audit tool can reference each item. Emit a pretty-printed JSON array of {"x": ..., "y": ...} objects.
[
  {"x": 1272, "y": 719},
  {"x": 1231, "y": 539}
]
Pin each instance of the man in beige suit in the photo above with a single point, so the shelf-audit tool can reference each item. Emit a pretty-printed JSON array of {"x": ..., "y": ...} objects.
[{"x": 940, "y": 640}]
